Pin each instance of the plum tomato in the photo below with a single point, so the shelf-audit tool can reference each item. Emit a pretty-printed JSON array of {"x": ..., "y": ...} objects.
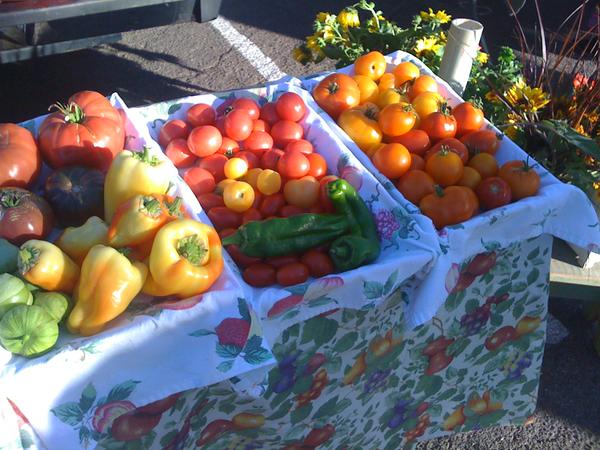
[
  {"x": 292, "y": 273},
  {"x": 482, "y": 141},
  {"x": 493, "y": 192},
  {"x": 485, "y": 164},
  {"x": 300, "y": 145},
  {"x": 416, "y": 141},
  {"x": 251, "y": 159},
  {"x": 200, "y": 180},
  {"x": 271, "y": 204},
  {"x": 293, "y": 165},
  {"x": 215, "y": 164},
  {"x": 204, "y": 140},
  {"x": 238, "y": 125},
  {"x": 392, "y": 160},
  {"x": 261, "y": 125},
  {"x": 210, "y": 200},
  {"x": 258, "y": 141},
  {"x": 371, "y": 65},
  {"x": 415, "y": 185},
  {"x": 416, "y": 162},
  {"x": 439, "y": 125},
  {"x": 268, "y": 182},
  {"x": 251, "y": 215},
  {"x": 270, "y": 158},
  {"x": 423, "y": 83},
  {"x": 290, "y": 106},
  {"x": 303, "y": 192},
  {"x": 229, "y": 147},
  {"x": 178, "y": 152},
  {"x": 222, "y": 217},
  {"x": 201, "y": 114},
  {"x": 286, "y": 131},
  {"x": 173, "y": 129},
  {"x": 268, "y": 113},
  {"x": 452, "y": 144},
  {"x": 259, "y": 275},
  {"x": 323, "y": 195},
  {"x": 468, "y": 118},
  {"x": 280, "y": 261},
  {"x": 235, "y": 168},
  {"x": 291, "y": 210},
  {"x": 319, "y": 263},
  {"x": 248, "y": 105},
  {"x": 318, "y": 165},
  {"x": 405, "y": 71}
]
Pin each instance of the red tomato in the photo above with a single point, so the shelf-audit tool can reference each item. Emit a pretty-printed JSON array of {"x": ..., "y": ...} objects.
[
  {"x": 290, "y": 106},
  {"x": 201, "y": 114},
  {"x": 259, "y": 275},
  {"x": 416, "y": 141},
  {"x": 248, "y": 105},
  {"x": 220, "y": 124},
  {"x": 20, "y": 159},
  {"x": 291, "y": 210},
  {"x": 239, "y": 258},
  {"x": 268, "y": 113},
  {"x": 204, "y": 140},
  {"x": 251, "y": 158},
  {"x": 293, "y": 165},
  {"x": 493, "y": 192},
  {"x": 270, "y": 158},
  {"x": 238, "y": 124},
  {"x": 222, "y": 217},
  {"x": 439, "y": 125},
  {"x": 271, "y": 204},
  {"x": 210, "y": 200},
  {"x": 280, "y": 261},
  {"x": 199, "y": 180},
  {"x": 258, "y": 141},
  {"x": 301, "y": 145},
  {"x": 293, "y": 273},
  {"x": 173, "y": 129},
  {"x": 179, "y": 153},
  {"x": 323, "y": 195},
  {"x": 261, "y": 125},
  {"x": 251, "y": 214},
  {"x": 319, "y": 264},
  {"x": 285, "y": 131},
  {"x": 226, "y": 232},
  {"x": 214, "y": 164},
  {"x": 258, "y": 197},
  {"x": 452, "y": 144},
  {"x": 228, "y": 147},
  {"x": 318, "y": 165},
  {"x": 225, "y": 107}
]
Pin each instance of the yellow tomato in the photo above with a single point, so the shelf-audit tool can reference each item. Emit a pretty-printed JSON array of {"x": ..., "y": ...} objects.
[
  {"x": 269, "y": 182},
  {"x": 362, "y": 126},
  {"x": 389, "y": 97},
  {"x": 424, "y": 83},
  {"x": 368, "y": 88},
  {"x": 221, "y": 185},
  {"x": 405, "y": 71},
  {"x": 303, "y": 193},
  {"x": 235, "y": 168},
  {"x": 427, "y": 103},
  {"x": 238, "y": 196},
  {"x": 387, "y": 81},
  {"x": 372, "y": 65},
  {"x": 251, "y": 176}
]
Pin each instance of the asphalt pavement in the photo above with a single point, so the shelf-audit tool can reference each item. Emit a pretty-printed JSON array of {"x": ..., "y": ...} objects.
[{"x": 178, "y": 60}]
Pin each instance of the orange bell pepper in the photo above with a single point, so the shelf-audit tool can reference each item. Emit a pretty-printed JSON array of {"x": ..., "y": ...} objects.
[{"x": 47, "y": 266}]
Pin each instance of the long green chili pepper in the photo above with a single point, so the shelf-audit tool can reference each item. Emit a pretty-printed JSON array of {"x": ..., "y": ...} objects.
[{"x": 286, "y": 236}]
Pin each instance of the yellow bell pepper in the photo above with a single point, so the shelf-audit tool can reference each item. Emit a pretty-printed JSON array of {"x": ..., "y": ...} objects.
[
  {"x": 47, "y": 266},
  {"x": 77, "y": 241},
  {"x": 152, "y": 288},
  {"x": 108, "y": 283},
  {"x": 133, "y": 173},
  {"x": 186, "y": 257}
]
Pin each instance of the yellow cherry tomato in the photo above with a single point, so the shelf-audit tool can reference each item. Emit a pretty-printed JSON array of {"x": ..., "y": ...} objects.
[
  {"x": 221, "y": 185},
  {"x": 238, "y": 196},
  {"x": 369, "y": 91},
  {"x": 251, "y": 177},
  {"x": 269, "y": 182},
  {"x": 427, "y": 103},
  {"x": 235, "y": 168}
]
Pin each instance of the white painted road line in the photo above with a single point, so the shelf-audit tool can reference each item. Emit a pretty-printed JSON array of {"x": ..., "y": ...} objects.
[{"x": 261, "y": 62}]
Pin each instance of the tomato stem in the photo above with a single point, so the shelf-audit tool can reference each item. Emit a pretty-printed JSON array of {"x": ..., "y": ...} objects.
[
  {"x": 333, "y": 87},
  {"x": 191, "y": 249},
  {"x": 439, "y": 190},
  {"x": 11, "y": 199},
  {"x": 73, "y": 112}
]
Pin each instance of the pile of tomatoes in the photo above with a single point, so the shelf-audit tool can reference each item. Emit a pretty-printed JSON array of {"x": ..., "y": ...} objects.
[
  {"x": 440, "y": 158},
  {"x": 245, "y": 162}
]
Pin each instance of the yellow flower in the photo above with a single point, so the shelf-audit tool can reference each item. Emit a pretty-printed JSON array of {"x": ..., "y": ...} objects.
[
  {"x": 312, "y": 43},
  {"x": 482, "y": 57},
  {"x": 429, "y": 44},
  {"x": 438, "y": 16},
  {"x": 301, "y": 55},
  {"x": 511, "y": 132},
  {"x": 323, "y": 16},
  {"x": 491, "y": 97},
  {"x": 372, "y": 23},
  {"x": 326, "y": 33},
  {"x": 443, "y": 37},
  {"x": 526, "y": 98},
  {"x": 348, "y": 17}
]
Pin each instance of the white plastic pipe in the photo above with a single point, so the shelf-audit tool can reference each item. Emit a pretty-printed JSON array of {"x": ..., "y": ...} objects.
[{"x": 460, "y": 51}]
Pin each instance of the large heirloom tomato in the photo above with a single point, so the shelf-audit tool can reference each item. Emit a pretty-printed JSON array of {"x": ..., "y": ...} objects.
[
  {"x": 24, "y": 215},
  {"x": 336, "y": 93},
  {"x": 449, "y": 206},
  {"x": 361, "y": 125},
  {"x": 19, "y": 156},
  {"x": 87, "y": 131}
]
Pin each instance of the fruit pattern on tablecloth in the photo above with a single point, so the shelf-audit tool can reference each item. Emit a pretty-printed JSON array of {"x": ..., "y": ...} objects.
[{"x": 357, "y": 379}]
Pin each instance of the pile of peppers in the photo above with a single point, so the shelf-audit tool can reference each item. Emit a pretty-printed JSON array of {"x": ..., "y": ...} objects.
[{"x": 351, "y": 232}]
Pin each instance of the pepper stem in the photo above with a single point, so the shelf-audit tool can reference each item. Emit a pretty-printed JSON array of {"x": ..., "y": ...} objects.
[
  {"x": 28, "y": 258},
  {"x": 233, "y": 239},
  {"x": 174, "y": 207},
  {"x": 191, "y": 249},
  {"x": 73, "y": 112},
  {"x": 145, "y": 156},
  {"x": 150, "y": 206}
]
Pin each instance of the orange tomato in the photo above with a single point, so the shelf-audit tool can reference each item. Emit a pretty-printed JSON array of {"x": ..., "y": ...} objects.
[
  {"x": 485, "y": 164},
  {"x": 468, "y": 118},
  {"x": 390, "y": 97},
  {"x": 439, "y": 125},
  {"x": 336, "y": 93},
  {"x": 369, "y": 91},
  {"x": 449, "y": 206},
  {"x": 445, "y": 167},
  {"x": 386, "y": 82},
  {"x": 372, "y": 65},
  {"x": 522, "y": 179},
  {"x": 416, "y": 141},
  {"x": 415, "y": 185},
  {"x": 405, "y": 71},
  {"x": 427, "y": 103},
  {"x": 303, "y": 193},
  {"x": 397, "y": 119},
  {"x": 362, "y": 127},
  {"x": 392, "y": 160},
  {"x": 424, "y": 83},
  {"x": 238, "y": 196},
  {"x": 417, "y": 162},
  {"x": 452, "y": 144},
  {"x": 482, "y": 141},
  {"x": 471, "y": 178}
]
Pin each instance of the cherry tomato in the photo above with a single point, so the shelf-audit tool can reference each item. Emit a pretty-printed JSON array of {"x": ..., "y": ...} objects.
[
  {"x": 238, "y": 196},
  {"x": 215, "y": 164},
  {"x": 271, "y": 204},
  {"x": 268, "y": 113},
  {"x": 200, "y": 180},
  {"x": 439, "y": 125},
  {"x": 318, "y": 165},
  {"x": 468, "y": 118},
  {"x": 323, "y": 195},
  {"x": 471, "y": 178},
  {"x": 445, "y": 167},
  {"x": 286, "y": 131},
  {"x": 319, "y": 264},
  {"x": 259, "y": 275},
  {"x": 222, "y": 217},
  {"x": 336, "y": 93},
  {"x": 173, "y": 129},
  {"x": 260, "y": 141},
  {"x": 392, "y": 160},
  {"x": 405, "y": 71},
  {"x": 248, "y": 105},
  {"x": 303, "y": 193},
  {"x": 415, "y": 185},
  {"x": 371, "y": 65},
  {"x": 482, "y": 141},
  {"x": 369, "y": 91},
  {"x": 201, "y": 114},
  {"x": 221, "y": 185},
  {"x": 251, "y": 215},
  {"x": 397, "y": 119},
  {"x": 485, "y": 164},
  {"x": 291, "y": 210},
  {"x": 251, "y": 158},
  {"x": 238, "y": 125},
  {"x": 251, "y": 177},
  {"x": 290, "y": 106},
  {"x": 293, "y": 273},
  {"x": 493, "y": 192},
  {"x": 204, "y": 140},
  {"x": 452, "y": 144},
  {"x": 293, "y": 165},
  {"x": 280, "y": 261},
  {"x": 300, "y": 145},
  {"x": 226, "y": 232},
  {"x": 416, "y": 141},
  {"x": 261, "y": 125},
  {"x": 210, "y": 200},
  {"x": 235, "y": 168},
  {"x": 228, "y": 147},
  {"x": 225, "y": 108},
  {"x": 523, "y": 180},
  {"x": 270, "y": 158},
  {"x": 179, "y": 153},
  {"x": 239, "y": 258},
  {"x": 387, "y": 81},
  {"x": 427, "y": 103},
  {"x": 269, "y": 182},
  {"x": 423, "y": 83},
  {"x": 416, "y": 162}
]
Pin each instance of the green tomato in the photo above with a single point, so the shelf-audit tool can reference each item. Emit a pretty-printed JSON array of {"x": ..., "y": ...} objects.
[
  {"x": 13, "y": 292},
  {"x": 56, "y": 304},
  {"x": 28, "y": 331},
  {"x": 8, "y": 256}
]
